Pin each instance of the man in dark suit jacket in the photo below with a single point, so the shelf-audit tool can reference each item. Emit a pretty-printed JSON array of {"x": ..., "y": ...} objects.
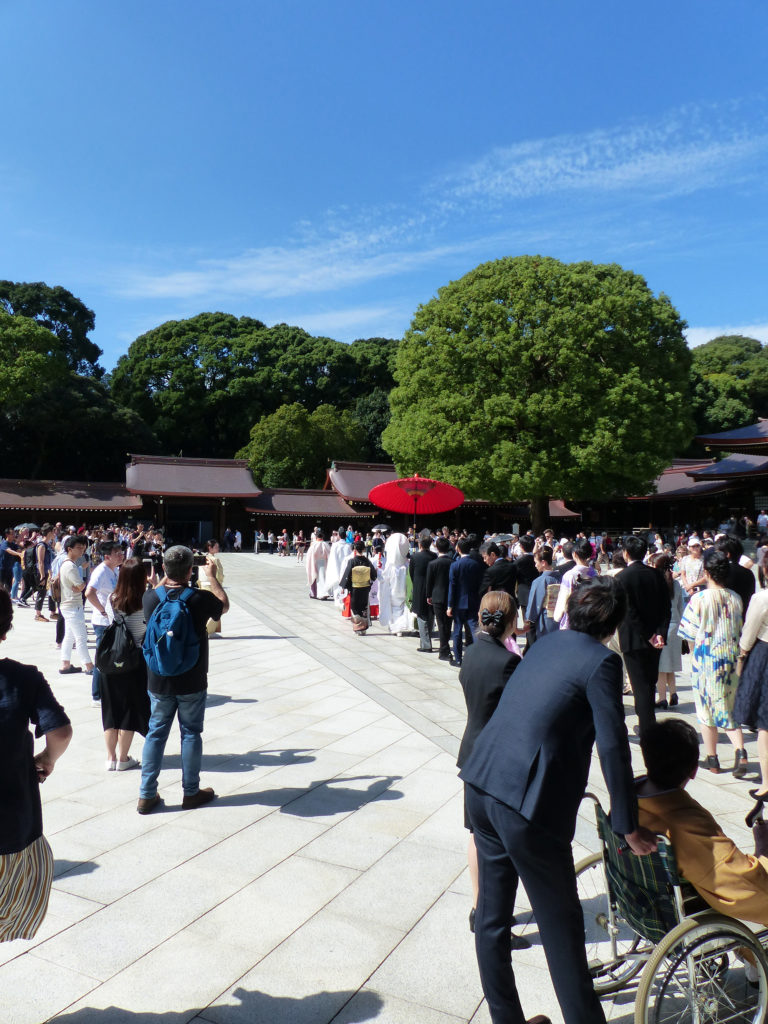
[
  {"x": 437, "y": 594},
  {"x": 740, "y": 579},
  {"x": 525, "y": 779},
  {"x": 643, "y": 632},
  {"x": 526, "y": 570},
  {"x": 463, "y": 597},
  {"x": 499, "y": 573},
  {"x": 417, "y": 569}
]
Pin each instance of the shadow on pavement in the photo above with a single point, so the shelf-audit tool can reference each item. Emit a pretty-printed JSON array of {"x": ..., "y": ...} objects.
[
  {"x": 254, "y": 1008},
  {"x": 73, "y": 867},
  {"x": 328, "y": 796},
  {"x": 246, "y": 762},
  {"x": 214, "y": 700}
]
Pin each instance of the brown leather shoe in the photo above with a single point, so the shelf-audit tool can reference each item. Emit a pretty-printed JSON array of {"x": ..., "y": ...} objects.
[
  {"x": 202, "y": 796},
  {"x": 41, "y": 618},
  {"x": 148, "y": 803}
]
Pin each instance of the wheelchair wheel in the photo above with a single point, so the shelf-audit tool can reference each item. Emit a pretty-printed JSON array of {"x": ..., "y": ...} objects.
[
  {"x": 611, "y": 965},
  {"x": 708, "y": 970}
]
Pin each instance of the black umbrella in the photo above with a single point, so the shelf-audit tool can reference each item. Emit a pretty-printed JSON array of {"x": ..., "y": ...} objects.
[
  {"x": 382, "y": 527},
  {"x": 27, "y": 526}
]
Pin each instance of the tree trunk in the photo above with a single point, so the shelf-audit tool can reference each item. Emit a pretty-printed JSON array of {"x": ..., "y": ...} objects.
[{"x": 539, "y": 514}]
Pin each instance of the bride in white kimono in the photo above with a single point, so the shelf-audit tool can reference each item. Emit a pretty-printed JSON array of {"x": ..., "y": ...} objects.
[{"x": 394, "y": 614}]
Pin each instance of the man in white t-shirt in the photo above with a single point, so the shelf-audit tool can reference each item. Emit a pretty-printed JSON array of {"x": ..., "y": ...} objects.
[
  {"x": 103, "y": 581},
  {"x": 72, "y": 587}
]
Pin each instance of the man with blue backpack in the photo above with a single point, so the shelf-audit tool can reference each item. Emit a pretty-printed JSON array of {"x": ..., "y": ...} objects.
[{"x": 176, "y": 652}]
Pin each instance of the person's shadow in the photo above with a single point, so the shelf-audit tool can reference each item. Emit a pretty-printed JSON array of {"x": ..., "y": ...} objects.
[
  {"x": 254, "y": 1008},
  {"x": 246, "y": 762},
  {"x": 328, "y": 796}
]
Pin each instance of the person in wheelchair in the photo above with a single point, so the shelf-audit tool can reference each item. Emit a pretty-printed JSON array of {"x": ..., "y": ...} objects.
[{"x": 730, "y": 881}]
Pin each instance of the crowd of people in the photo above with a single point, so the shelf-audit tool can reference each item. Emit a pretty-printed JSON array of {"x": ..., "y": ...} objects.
[{"x": 548, "y": 635}]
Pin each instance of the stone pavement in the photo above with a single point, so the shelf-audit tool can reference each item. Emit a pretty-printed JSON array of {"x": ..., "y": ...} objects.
[{"x": 327, "y": 883}]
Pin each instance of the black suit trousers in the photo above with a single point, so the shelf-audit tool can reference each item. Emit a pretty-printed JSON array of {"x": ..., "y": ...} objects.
[
  {"x": 510, "y": 848},
  {"x": 443, "y": 628},
  {"x": 643, "y": 671}
]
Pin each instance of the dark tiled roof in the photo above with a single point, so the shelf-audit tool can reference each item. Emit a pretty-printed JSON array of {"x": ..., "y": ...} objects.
[
  {"x": 354, "y": 480},
  {"x": 67, "y": 495},
  {"x": 192, "y": 478},
  {"x": 733, "y": 467},
  {"x": 308, "y": 504},
  {"x": 676, "y": 481},
  {"x": 743, "y": 439}
]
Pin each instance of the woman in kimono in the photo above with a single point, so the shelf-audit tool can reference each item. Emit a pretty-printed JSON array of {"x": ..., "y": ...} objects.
[{"x": 394, "y": 613}]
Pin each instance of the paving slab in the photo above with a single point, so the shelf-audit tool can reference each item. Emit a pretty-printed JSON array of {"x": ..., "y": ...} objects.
[{"x": 328, "y": 881}]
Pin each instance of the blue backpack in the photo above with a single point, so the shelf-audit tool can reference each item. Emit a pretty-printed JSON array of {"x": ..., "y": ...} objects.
[{"x": 171, "y": 644}]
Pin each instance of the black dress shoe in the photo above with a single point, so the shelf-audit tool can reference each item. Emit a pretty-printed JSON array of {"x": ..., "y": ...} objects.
[
  {"x": 662, "y": 704},
  {"x": 454, "y": 663},
  {"x": 673, "y": 700},
  {"x": 424, "y": 650}
]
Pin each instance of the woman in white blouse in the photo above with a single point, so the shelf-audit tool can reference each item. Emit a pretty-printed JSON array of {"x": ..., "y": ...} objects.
[{"x": 751, "y": 707}]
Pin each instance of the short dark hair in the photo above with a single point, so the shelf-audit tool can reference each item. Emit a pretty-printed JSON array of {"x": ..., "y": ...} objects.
[
  {"x": 490, "y": 548},
  {"x": 73, "y": 541},
  {"x": 567, "y": 549},
  {"x": 717, "y": 565},
  {"x": 442, "y": 544},
  {"x": 597, "y": 607},
  {"x": 527, "y": 542},
  {"x": 360, "y": 547},
  {"x": 108, "y": 547},
  {"x": 425, "y": 540},
  {"x": 670, "y": 750},
  {"x": 211, "y": 544},
  {"x": 464, "y": 545},
  {"x": 635, "y": 547},
  {"x": 732, "y": 547},
  {"x": 582, "y": 548}
]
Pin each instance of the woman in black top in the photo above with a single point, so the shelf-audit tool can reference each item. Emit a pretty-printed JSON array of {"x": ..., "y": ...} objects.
[
  {"x": 485, "y": 671},
  {"x": 26, "y": 861}
]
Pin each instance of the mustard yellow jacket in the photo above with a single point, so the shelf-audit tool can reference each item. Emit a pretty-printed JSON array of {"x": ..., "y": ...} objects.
[{"x": 731, "y": 882}]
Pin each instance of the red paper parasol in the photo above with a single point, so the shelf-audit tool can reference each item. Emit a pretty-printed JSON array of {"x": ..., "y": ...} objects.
[{"x": 416, "y": 494}]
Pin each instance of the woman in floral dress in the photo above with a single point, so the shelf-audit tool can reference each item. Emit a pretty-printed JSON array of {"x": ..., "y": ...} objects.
[{"x": 711, "y": 623}]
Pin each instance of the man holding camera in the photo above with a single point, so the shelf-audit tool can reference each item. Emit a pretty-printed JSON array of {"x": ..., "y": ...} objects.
[{"x": 183, "y": 693}]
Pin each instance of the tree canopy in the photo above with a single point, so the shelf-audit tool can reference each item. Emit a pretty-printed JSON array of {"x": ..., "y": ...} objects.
[
  {"x": 201, "y": 384},
  {"x": 729, "y": 378},
  {"x": 64, "y": 315},
  {"x": 530, "y": 378},
  {"x": 293, "y": 447}
]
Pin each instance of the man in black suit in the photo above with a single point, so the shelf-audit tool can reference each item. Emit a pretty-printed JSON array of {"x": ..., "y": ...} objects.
[
  {"x": 525, "y": 779},
  {"x": 464, "y": 581},
  {"x": 417, "y": 569},
  {"x": 569, "y": 561},
  {"x": 643, "y": 632},
  {"x": 740, "y": 579},
  {"x": 437, "y": 594},
  {"x": 499, "y": 573},
  {"x": 526, "y": 570}
]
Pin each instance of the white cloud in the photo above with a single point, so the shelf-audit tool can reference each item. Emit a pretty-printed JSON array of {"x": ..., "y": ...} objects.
[
  {"x": 698, "y": 335},
  {"x": 339, "y": 322},
  {"x": 685, "y": 151}
]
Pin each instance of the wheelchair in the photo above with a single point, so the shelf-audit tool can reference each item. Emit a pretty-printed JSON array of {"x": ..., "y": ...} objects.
[{"x": 696, "y": 966}]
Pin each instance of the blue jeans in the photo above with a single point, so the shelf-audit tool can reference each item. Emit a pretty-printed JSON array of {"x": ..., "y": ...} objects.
[
  {"x": 191, "y": 709},
  {"x": 464, "y": 623},
  {"x": 16, "y": 579},
  {"x": 98, "y": 632}
]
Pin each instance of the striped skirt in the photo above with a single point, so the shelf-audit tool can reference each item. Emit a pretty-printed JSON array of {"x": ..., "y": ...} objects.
[{"x": 25, "y": 886}]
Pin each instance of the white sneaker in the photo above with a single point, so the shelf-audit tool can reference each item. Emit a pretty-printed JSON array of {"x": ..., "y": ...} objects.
[
  {"x": 110, "y": 765},
  {"x": 124, "y": 766}
]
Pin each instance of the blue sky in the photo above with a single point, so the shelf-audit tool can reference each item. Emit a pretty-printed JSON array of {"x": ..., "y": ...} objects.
[{"x": 332, "y": 165}]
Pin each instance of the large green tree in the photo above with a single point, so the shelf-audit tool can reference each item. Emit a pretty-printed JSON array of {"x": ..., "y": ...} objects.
[
  {"x": 529, "y": 378},
  {"x": 66, "y": 317},
  {"x": 201, "y": 383},
  {"x": 55, "y": 423},
  {"x": 293, "y": 447},
  {"x": 730, "y": 383}
]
